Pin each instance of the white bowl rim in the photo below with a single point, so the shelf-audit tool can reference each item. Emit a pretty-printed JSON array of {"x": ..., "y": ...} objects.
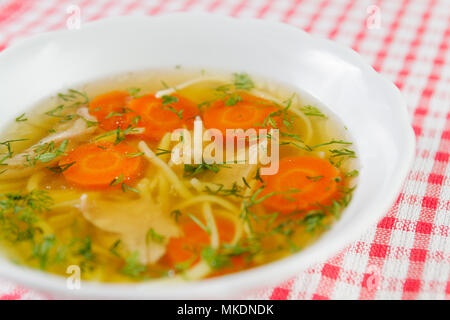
[{"x": 234, "y": 284}]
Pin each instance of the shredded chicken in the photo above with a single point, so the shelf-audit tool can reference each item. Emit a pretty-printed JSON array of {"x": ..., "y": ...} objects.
[
  {"x": 134, "y": 227},
  {"x": 84, "y": 112},
  {"x": 234, "y": 174},
  {"x": 78, "y": 129}
]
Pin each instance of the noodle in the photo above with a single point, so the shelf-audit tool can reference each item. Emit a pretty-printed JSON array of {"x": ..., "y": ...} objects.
[
  {"x": 33, "y": 182},
  {"x": 198, "y": 271},
  {"x": 163, "y": 192},
  {"x": 211, "y": 223},
  {"x": 12, "y": 185},
  {"x": 164, "y": 145},
  {"x": 208, "y": 198}
]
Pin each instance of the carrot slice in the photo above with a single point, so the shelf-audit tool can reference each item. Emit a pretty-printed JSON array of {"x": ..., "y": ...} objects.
[
  {"x": 97, "y": 165},
  {"x": 189, "y": 246},
  {"x": 249, "y": 112},
  {"x": 300, "y": 184},
  {"x": 111, "y": 110},
  {"x": 161, "y": 115}
]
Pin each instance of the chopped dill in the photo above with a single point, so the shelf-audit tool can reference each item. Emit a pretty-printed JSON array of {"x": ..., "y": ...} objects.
[
  {"x": 258, "y": 175},
  {"x": 176, "y": 214},
  {"x": 315, "y": 179},
  {"x": 353, "y": 173},
  {"x": 290, "y": 143},
  {"x": 74, "y": 96},
  {"x": 199, "y": 223},
  {"x": 165, "y": 85},
  {"x": 114, "y": 247},
  {"x": 126, "y": 188},
  {"x": 21, "y": 118},
  {"x": 9, "y": 152},
  {"x": 136, "y": 120},
  {"x": 61, "y": 168},
  {"x": 214, "y": 258},
  {"x": 233, "y": 99},
  {"x": 291, "y": 135},
  {"x": 64, "y": 117},
  {"x": 313, "y": 220},
  {"x": 133, "y": 268},
  {"x": 166, "y": 100},
  {"x": 192, "y": 170},
  {"x": 154, "y": 236},
  {"x": 117, "y": 180},
  {"x": 19, "y": 213},
  {"x": 343, "y": 152},
  {"x": 113, "y": 114},
  {"x": 85, "y": 249},
  {"x": 134, "y": 92},
  {"x": 179, "y": 114},
  {"x": 245, "y": 182},
  {"x": 133, "y": 155},
  {"x": 221, "y": 190},
  {"x": 47, "y": 152},
  {"x": 119, "y": 133},
  {"x": 162, "y": 151},
  {"x": 41, "y": 250},
  {"x": 242, "y": 81},
  {"x": 120, "y": 180},
  {"x": 254, "y": 201},
  {"x": 330, "y": 143},
  {"x": 312, "y": 112}
]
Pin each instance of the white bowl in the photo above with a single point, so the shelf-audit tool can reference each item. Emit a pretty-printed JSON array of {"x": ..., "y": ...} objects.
[{"x": 371, "y": 107}]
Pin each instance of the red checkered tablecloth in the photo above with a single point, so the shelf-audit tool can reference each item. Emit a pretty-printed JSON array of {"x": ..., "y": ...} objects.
[{"x": 407, "y": 254}]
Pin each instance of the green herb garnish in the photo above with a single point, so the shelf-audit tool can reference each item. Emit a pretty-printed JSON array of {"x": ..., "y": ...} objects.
[
  {"x": 119, "y": 133},
  {"x": 133, "y": 268},
  {"x": 199, "y": 223},
  {"x": 166, "y": 100},
  {"x": 21, "y": 118},
  {"x": 47, "y": 152},
  {"x": 179, "y": 114},
  {"x": 312, "y": 111},
  {"x": 315, "y": 179},
  {"x": 176, "y": 214},
  {"x": 192, "y": 170},
  {"x": 133, "y": 92},
  {"x": 114, "y": 247},
  {"x": 133, "y": 155},
  {"x": 154, "y": 236},
  {"x": 330, "y": 143},
  {"x": 233, "y": 99},
  {"x": 61, "y": 168},
  {"x": 353, "y": 173},
  {"x": 221, "y": 190},
  {"x": 242, "y": 81},
  {"x": 215, "y": 259}
]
